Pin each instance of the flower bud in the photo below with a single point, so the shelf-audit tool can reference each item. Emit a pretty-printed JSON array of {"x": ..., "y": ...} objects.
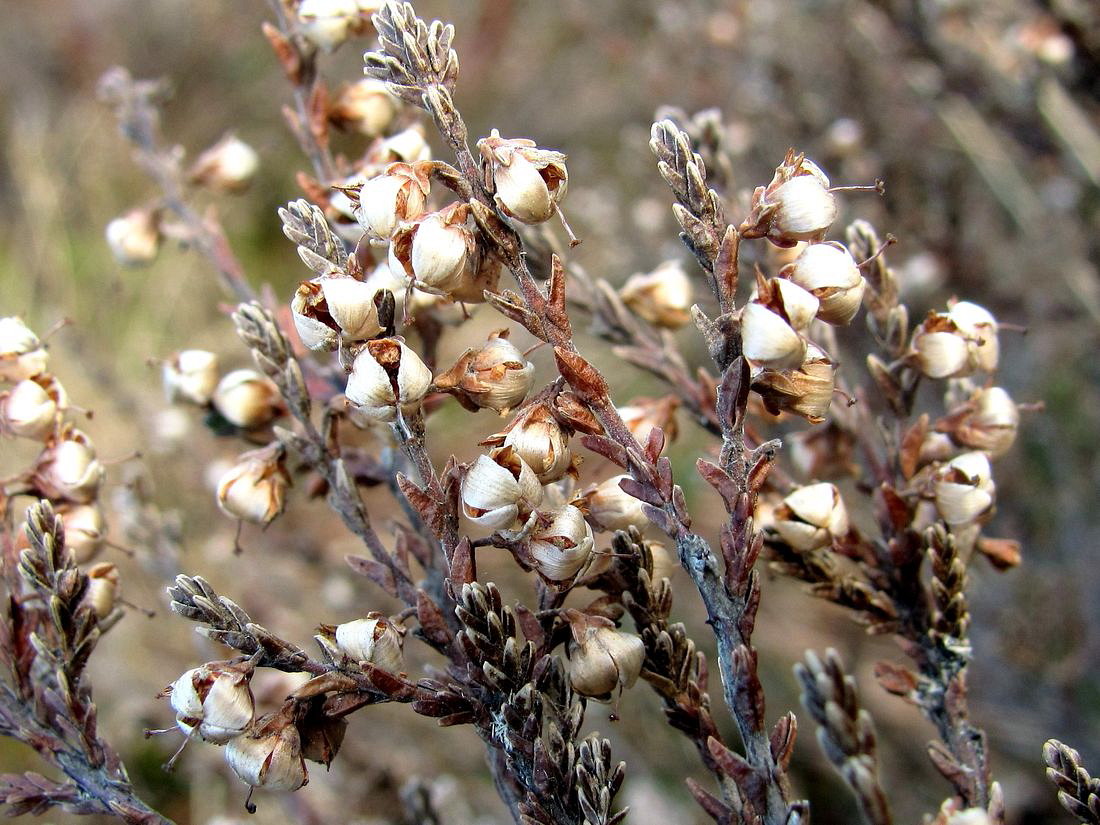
[
  {"x": 254, "y": 489},
  {"x": 103, "y": 589},
  {"x": 601, "y": 658},
  {"x": 796, "y": 206},
  {"x": 387, "y": 377},
  {"x": 612, "y": 508},
  {"x": 437, "y": 251},
  {"x": 269, "y": 755},
  {"x": 68, "y": 468},
  {"x": 529, "y": 182},
  {"x": 500, "y": 489},
  {"x": 191, "y": 376},
  {"x": 806, "y": 391},
  {"x": 560, "y": 546},
  {"x": 327, "y": 23},
  {"x": 213, "y": 701},
  {"x": 85, "y": 530},
  {"x": 374, "y": 639},
  {"x": 332, "y": 308},
  {"x": 365, "y": 106},
  {"x": 812, "y": 517},
  {"x": 768, "y": 339},
  {"x": 643, "y": 414},
  {"x": 662, "y": 297},
  {"x": 830, "y": 274},
  {"x": 227, "y": 166},
  {"x": 495, "y": 376},
  {"x": 134, "y": 238},
  {"x": 21, "y": 353},
  {"x": 397, "y": 196},
  {"x": 31, "y": 408},
  {"x": 538, "y": 439},
  {"x": 247, "y": 399},
  {"x": 963, "y": 488},
  {"x": 987, "y": 422},
  {"x": 980, "y": 328}
]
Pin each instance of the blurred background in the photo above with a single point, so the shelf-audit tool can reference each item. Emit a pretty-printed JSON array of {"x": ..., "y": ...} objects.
[{"x": 982, "y": 117}]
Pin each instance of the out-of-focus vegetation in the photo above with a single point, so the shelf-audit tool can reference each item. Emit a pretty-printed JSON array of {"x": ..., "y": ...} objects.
[{"x": 981, "y": 117}]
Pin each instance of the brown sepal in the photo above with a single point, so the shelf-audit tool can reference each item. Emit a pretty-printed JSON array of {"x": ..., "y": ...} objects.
[
  {"x": 378, "y": 573},
  {"x": 898, "y": 680},
  {"x": 1004, "y": 554},
  {"x": 289, "y": 58},
  {"x": 911, "y": 441},
  {"x": 584, "y": 378}
]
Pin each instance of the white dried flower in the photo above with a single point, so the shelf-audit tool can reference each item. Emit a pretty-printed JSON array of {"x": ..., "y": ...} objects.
[
  {"x": 500, "y": 489},
  {"x": 31, "y": 409},
  {"x": 21, "y": 353},
  {"x": 812, "y": 517},
  {"x": 68, "y": 468},
  {"x": 561, "y": 543},
  {"x": 134, "y": 238},
  {"x": 538, "y": 439},
  {"x": 213, "y": 701},
  {"x": 387, "y": 377},
  {"x": 366, "y": 106},
  {"x": 227, "y": 166},
  {"x": 191, "y": 376},
  {"x": 254, "y": 489},
  {"x": 980, "y": 328},
  {"x": 528, "y": 182},
  {"x": 407, "y": 146},
  {"x": 395, "y": 197},
  {"x": 438, "y": 250},
  {"x": 495, "y": 376},
  {"x": 247, "y": 399},
  {"x": 796, "y": 206},
  {"x": 334, "y": 308},
  {"x": 662, "y": 297},
  {"x": 612, "y": 508},
  {"x": 374, "y": 639},
  {"x": 269, "y": 755},
  {"x": 327, "y": 23},
  {"x": 963, "y": 488},
  {"x": 643, "y": 414},
  {"x": 768, "y": 339},
  {"x": 103, "y": 589},
  {"x": 829, "y": 272},
  {"x": 988, "y": 422},
  {"x": 602, "y": 659},
  {"x": 806, "y": 391},
  {"x": 85, "y": 530}
]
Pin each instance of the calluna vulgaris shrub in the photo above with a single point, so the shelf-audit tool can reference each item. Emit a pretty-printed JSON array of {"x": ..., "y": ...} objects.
[{"x": 877, "y": 496}]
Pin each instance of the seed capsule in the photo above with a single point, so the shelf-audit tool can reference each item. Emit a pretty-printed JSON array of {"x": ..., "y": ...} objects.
[
  {"x": 539, "y": 440},
  {"x": 806, "y": 391},
  {"x": 134, "y": 238},
  {"x": 500, "y": 489},
  {"x": 191, "y": 376},
  {"x": 528, "y": 182},
  {"x": 980, "y": 328},
  {"x": 812, "y": 517},
  {"x": 963, "y": 489},
  {"x": 768, "y": 339},
  {"x": 68, "y": 468},
  {"x": 374, "y": 639},
  {"x": 247, "y": 399},
  {"x": 21, "y": 353},
  {"x": 387, "y": 377},
  {"x": 495, "y": 376},
  {"x": 397, "y": 196},
  {"x": 213, "y": 701},
  {"x": 830, "y": 274},
  {"x": 561, "y": 543},
  {"x": 332, "y": 308},
  {"x": 796, "y": 206},
  {"x": 601, "y": 658},
  {"x": 254, "y": 489},
  {"x": 662, "y": 297},
  {"x": 85, "y": 530},
  {"x": 31, "y": 409},
  {"x": 437, "y": 251}
]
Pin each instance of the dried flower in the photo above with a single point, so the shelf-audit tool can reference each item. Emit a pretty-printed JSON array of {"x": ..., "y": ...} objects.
[
  {"x": 540, "y": 440},
  {"x": 963, "y": 488},
  {"x": 254, "y": 489},
  {"x": 561, "y": 543},
  {"x": 213, "y": 701},
  {"x": 602, "y": 659},
  {"x": 247, "y": 399},
  {"x": 643, "y": 414},
  {"x": 980, "y": 328},
  {"x": 796, "y": 206},
  {"x": 768, "y": 337},
  {"x": 365, "y": 106},
  {"x": 388, "y": 200},
  {"x": 500, "y": 489},
  {"x": 987, "y": 422},
  {"x": 68, "y": 468},
  {"x": 806, "y": 391},
  {"x": 387, "y": 377},
  {"x": 612, "y": 508},
  {"x": 134, "y": 238},
  {"x": 327, "y": 23},
  {"x": 21, "y": 353},
  {"x": 31, "y": 408},
  {"x": 812, "y": 517},
  {"x": 85, "y": 530},
  {"x": 103, "y": 589},
  {"x": 956, "y": 343},
  {"x": 495, "y": 376},
  {"x": 332, "y": 308},
  {"x": 374, "y": 639},
  {"x": 227, "y": 166},
  {"x": 407, "y": 146},
  {"x": 829, "y": 272},
  {"x": 269, "y": 755},
  {"x": 662, "y": 297},
  {"x": 528, "y": 182},
  {"x": 191, "y": 376},
  {"x": 438, "y": 251}
]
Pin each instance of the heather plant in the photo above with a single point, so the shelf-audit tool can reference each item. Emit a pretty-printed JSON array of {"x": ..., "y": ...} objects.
[{"x": 862, "y": 465}]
